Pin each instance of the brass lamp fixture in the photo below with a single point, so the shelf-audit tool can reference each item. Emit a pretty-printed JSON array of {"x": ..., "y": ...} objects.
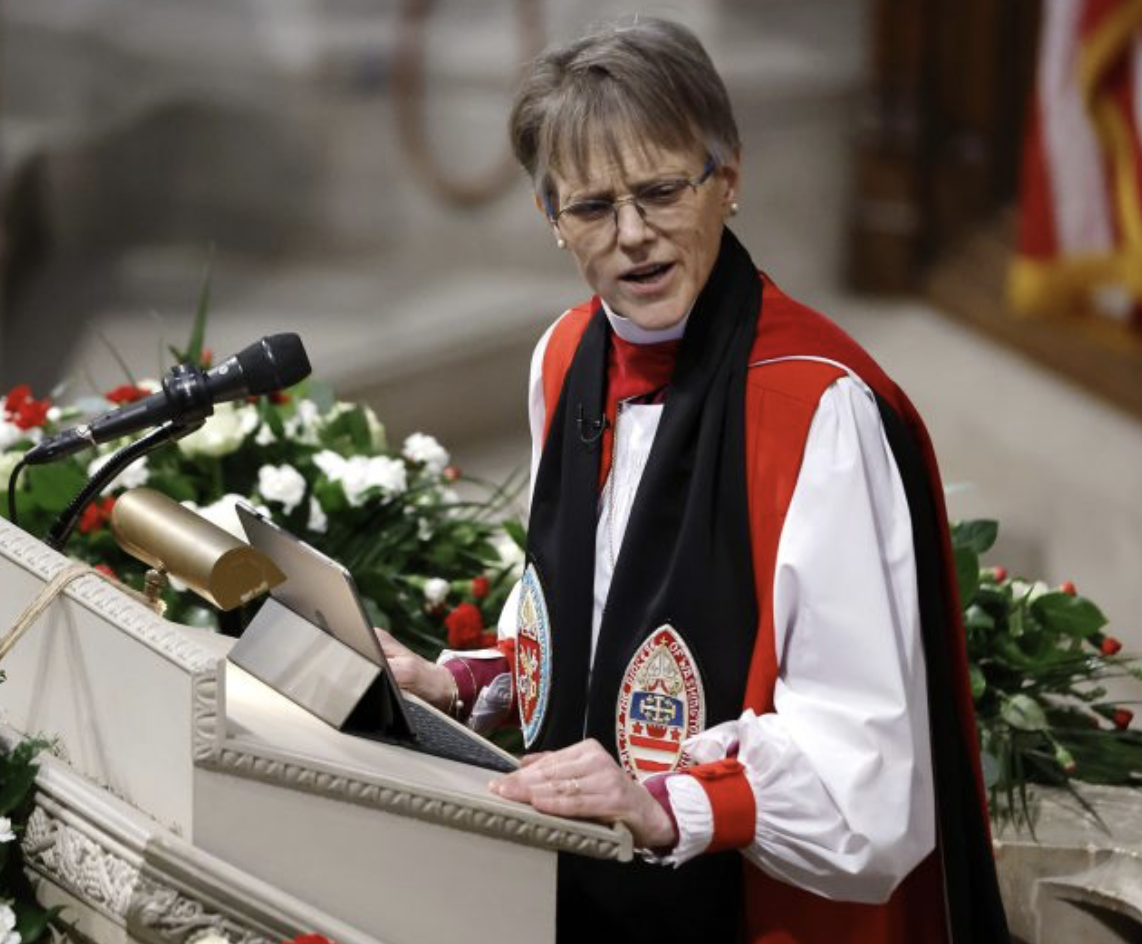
[{"x": 173, "y": 540}]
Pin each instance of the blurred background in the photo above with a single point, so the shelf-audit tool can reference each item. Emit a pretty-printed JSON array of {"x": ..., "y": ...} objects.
[{"x": 342, "y": 168}]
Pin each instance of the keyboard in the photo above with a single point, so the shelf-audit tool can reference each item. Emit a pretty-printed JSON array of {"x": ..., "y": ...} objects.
[{"x": 435, "y": 735}]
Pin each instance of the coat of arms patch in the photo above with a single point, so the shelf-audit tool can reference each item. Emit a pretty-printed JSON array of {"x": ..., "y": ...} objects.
[{"x": 661, "y": 703}]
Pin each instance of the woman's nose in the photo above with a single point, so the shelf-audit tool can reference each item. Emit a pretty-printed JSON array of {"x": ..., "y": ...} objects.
[{"x": 631, "y": 224}]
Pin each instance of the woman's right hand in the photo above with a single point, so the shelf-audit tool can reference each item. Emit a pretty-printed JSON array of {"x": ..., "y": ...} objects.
[{"x": 413, "y": 673}]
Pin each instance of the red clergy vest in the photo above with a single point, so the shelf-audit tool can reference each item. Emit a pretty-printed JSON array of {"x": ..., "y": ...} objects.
[{"x": 781, "y": 400}]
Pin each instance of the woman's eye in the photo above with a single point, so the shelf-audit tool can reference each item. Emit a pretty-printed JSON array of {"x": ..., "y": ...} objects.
[
  {"x": 666, "y": 191},
  {"x": 589, "y": 210}
]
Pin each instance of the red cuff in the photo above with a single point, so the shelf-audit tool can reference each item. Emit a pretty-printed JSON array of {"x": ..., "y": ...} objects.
[
  {"x": 472, "y": 677},
  {"x": 731, "y": 801}
]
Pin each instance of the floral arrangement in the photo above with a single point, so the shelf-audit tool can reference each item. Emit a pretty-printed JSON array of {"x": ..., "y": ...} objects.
[
  {"x": 431, "y": 567},
  {"x": 1038, "y": 657},
  {"x": 22, "y": 919}
]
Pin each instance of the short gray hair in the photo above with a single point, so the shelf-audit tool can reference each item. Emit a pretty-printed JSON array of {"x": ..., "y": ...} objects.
[{"x": 643, "y": 80}]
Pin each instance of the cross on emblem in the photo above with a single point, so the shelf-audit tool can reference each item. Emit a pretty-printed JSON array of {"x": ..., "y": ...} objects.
[{"x": 659, "y": 709}]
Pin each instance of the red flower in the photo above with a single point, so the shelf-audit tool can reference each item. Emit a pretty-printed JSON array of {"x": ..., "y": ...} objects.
[
  {"x": 1110, "y": 646},
  {"x": 206, "y": 358},
  {"x": 106, "y": 571},
  {"x": 25, "y": 410},
  {"x": 1000, "y": 574},
  {"x": 126, "y": 393},
  {"x": 95, "y": 515},
  {"x": 480, "y": 587},
  {"x": 1068, "y": 588},
  {"x": 488, "y": 639},
  {"x": 464, "y": 627},
  {"x": 279, "y": 398},
  {"x": 451, "y": 473},
  {"x": 1122, "y": 718}
]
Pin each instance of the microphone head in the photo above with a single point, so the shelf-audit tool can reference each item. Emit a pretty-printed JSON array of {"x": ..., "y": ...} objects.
[{"x": 274, "y": 362}]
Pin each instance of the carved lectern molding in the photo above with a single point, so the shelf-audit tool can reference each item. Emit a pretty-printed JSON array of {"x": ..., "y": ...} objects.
[
  {"x": 102, "y": 598},
  {"x": 143, "y": 878},
  {"x": 214, "y": 751}
]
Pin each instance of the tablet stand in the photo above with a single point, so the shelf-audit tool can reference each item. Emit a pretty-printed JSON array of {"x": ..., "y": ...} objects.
[{"x": 318, "y": 672}]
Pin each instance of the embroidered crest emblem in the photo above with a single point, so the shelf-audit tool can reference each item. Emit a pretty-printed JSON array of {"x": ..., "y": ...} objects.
[
  {"x": 533, "y": 656},
  {"x": 661, "y": 703}
]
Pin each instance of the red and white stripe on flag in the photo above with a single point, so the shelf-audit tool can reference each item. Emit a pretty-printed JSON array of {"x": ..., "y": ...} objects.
[{"x": 1080, "y": 222}]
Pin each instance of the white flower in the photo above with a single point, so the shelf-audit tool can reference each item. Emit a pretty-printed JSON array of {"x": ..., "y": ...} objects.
[
  {"x": 362, "y": 473},
  {"x": 10, "y": 433},
  {"x": 1032, "y": 591},
  {"x": 150, "y": 385},
  {"x": 8, "y": 932},
  {"x": 54, "y": 414},
  {"x": 223, "y": 514},
  {"x": 265, "y": 436},
  {"x": 376, "y": 428},
  {"x": 331, "y": 464},
  {"x": 281, "y": 483},
  {"x": 423, "y": 529},
  {"x": 510, "y": 552},
  {"x": 436, "y": 590},
  {"x": 449, "y": 496},
  {"x": 318, "y": 521},
  {"x": 133, "y": 476},
  {"x": 420, "y": 447},
  {"x": 358, "y": 474},
  {"x": 224, "y": 432},
  {"x": 305, "y": 423},
  {"x": 6, "y": 833}
]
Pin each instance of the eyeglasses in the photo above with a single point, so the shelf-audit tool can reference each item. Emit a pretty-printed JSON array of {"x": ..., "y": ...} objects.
[{"x": 662, "y": 204}]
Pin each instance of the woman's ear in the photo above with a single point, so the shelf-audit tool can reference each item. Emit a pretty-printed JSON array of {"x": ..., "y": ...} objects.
[{"x": 730, "y": 172}]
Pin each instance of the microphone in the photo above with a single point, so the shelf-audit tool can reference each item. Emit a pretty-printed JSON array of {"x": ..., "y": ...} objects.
[{"x": 188, "y": 396}]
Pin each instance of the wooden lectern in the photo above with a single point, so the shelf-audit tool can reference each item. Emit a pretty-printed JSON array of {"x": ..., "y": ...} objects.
[{"x": 185, "y": 795}]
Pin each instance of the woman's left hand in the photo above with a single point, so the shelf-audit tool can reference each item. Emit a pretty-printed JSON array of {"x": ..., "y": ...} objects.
[{"x": 584, "y": 782}]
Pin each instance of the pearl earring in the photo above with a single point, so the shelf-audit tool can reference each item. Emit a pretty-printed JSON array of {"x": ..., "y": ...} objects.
[
  {"x": 734, "y": 208},
  {"x": 561, "y": 243}
]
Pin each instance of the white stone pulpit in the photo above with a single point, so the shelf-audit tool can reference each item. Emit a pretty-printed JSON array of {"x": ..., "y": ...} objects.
[{"x": 183, "y": 795}]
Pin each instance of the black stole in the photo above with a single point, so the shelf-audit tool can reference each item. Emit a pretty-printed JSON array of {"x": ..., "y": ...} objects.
[{"x": 685, "y": 560}]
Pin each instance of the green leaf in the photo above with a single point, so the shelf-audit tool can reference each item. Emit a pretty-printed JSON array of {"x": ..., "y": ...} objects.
[
  {"x": 52, "y": 487},
  {"x": 17, "y": 782},
  {"x": 967, "y": 574},
  {"x": 976, "y": 617},
  {"x": 978, "y": 682},
  {"x": 979, "y": 536},
  {"x": 197, "y": 340},
  {"x": 1063, "y": 613},
  {"x": 32, "y": 921},
  {"x": 517, "y": 532},
  {"x": 1024, "y": 713}
]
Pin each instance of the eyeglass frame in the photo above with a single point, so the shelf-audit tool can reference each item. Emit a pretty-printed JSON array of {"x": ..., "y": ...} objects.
[{"x": 692, "y": 182}]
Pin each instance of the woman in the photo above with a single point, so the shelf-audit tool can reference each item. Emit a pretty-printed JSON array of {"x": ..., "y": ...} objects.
[{"x": 736, "y": 562}]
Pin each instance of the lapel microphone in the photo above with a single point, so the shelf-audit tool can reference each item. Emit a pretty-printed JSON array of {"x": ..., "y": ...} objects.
[{"x": 590, "y": 431}]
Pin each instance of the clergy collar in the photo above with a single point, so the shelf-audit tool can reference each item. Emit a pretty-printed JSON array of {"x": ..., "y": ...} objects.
[{"x": 633, "y": 334}]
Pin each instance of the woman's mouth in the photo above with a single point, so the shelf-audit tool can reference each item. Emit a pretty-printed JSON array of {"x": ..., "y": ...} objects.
[{"x": 649, "y": 276}]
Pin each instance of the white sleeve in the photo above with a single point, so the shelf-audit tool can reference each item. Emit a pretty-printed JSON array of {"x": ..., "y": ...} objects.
[
  {"x": 536, "y": 414},
  {"x": 841, "y": 772},
  {"x": 536, "y": 406}
]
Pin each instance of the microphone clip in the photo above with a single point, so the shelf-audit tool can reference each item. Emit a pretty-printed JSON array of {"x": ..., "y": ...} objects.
[{"x": 591, "y": 431}]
